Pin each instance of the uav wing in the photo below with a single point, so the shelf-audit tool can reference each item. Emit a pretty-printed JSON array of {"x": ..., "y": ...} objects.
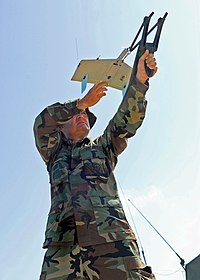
[{"x": 116, "y": 73}]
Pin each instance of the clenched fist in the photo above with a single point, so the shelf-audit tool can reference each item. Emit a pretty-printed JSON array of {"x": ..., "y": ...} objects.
[{"x": 150, "y": 60}]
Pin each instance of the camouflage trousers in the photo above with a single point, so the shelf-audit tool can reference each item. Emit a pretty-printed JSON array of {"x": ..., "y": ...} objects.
[{"x": 111, "y": 261}]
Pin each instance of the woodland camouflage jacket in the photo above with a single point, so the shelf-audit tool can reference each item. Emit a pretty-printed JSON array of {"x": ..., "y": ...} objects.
[{"x": 85, "y": 206}]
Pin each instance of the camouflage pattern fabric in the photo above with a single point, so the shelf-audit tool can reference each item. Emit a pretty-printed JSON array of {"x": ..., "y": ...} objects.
[
  {"x": 117, "y": 260},
  {"x": 84, "y": 195},
  {"x": 85, "y": 205}
]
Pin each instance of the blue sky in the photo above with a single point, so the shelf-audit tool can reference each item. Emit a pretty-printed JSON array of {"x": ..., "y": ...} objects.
[{"x": 159, "y": 171}]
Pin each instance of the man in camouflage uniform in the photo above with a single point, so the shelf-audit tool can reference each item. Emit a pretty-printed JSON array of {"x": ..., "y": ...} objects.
[{"x": 87, "y": 234}]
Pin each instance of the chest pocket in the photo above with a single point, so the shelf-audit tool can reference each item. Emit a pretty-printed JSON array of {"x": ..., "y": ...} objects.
[
  {"x": 95, "y": 165},
  {"x": 59, "y": 171}
]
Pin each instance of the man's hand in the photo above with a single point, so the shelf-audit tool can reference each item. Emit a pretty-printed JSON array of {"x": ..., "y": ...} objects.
[
  {"x": 93, "y": 96},
  {"x": 150, "y": 60}
]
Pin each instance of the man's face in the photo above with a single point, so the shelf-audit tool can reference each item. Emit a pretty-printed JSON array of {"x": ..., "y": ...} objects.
[{"x": 77, "y": 127}]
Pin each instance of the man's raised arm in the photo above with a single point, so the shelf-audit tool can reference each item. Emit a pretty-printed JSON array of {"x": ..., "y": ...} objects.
[{"x": 131, "y": 111}]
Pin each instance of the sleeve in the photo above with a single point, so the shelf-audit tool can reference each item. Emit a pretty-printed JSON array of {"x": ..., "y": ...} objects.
[
  {"x": 46, "y": 127},
  {"x": 125, "y": 122}
]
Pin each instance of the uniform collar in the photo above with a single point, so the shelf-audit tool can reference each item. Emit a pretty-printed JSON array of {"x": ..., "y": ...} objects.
[{"x": 70, "y": 142}]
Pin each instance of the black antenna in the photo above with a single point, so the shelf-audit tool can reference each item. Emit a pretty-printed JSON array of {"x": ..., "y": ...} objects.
[
  {"x": 182, "y": 260},
  {"x": 142, "y": 250}
]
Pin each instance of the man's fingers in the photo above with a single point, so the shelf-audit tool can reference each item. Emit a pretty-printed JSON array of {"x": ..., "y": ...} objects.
[
  {"x": 155, "y": 70},
  {"x": 151, "y": 64},
  {"x": 101, "y": 91},
  {"x": 149, "y": 59},
  {"x": 100, "y": 85},
  {"x": 144, "y": 56},
  {"x": 100, "y": 88}
]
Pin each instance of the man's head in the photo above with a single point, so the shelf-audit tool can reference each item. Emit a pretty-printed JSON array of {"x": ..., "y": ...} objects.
[{"x": 78, "y": 127}]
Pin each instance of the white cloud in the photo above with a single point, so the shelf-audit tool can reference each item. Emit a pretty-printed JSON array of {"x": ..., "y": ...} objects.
[{"x": 176, "y": 217}]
